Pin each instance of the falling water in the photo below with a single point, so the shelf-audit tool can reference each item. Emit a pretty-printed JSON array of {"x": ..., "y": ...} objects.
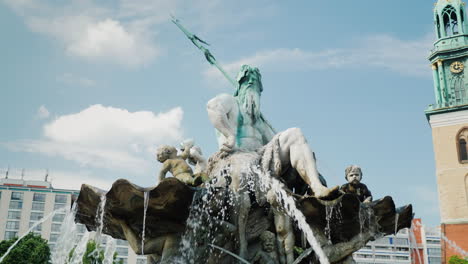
[
  {"x": 67, "y": 239},
  {"x": 79, "y": 251},
  {"x": 328, "y": 217},
  {"x": 203, "y": 223},
  {"x": 109, "y": 251},
  {"x": 397, "y": 215},
  {"x": 100, "y": 219},
  {"x": 413, "y": 242},
  {"x": 267, "y": 183},
  {"x": 146, "y": 201},
  {"x": 451, "y": 243},
  {"x": 30, "y": 230}
]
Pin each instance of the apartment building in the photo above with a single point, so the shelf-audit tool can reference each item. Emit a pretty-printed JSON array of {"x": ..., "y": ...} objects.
[{"x": 25, "y": 202}]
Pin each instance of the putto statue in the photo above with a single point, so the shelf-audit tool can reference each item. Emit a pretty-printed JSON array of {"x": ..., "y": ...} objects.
[
  {"x": 262, "y": 199},
  {"x": 353, "y": 174},
  {"x": 175, "y": 164}
]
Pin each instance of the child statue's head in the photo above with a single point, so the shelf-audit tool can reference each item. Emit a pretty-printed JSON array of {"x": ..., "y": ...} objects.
[
  {"x": 268, "y": 241},
  {"x": 165, "y": 152},
  {"x": 353, "y": 174}
]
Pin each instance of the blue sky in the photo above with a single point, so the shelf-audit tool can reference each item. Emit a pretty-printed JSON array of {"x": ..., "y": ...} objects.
[{"x": 91, "y": 88}]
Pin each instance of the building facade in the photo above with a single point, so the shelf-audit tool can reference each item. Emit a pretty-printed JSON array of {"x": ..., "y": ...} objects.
[
  {"x": 448, "y": 118},
  {"x": 418, "y": 245},
  {"x": 24, "y": 203}
]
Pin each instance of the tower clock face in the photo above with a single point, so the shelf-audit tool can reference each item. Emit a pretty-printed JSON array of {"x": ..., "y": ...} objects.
[{"x": 456, "y": 67}]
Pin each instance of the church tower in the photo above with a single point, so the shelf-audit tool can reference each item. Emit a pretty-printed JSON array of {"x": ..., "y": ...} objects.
[{"x": 448, "y": 118}]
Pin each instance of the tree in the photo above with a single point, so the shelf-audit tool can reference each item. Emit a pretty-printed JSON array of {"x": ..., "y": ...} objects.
[
  {"x": 32, "y": 249},
  {"x": 93, "y": 254},
  {"x": 457, "y": 260}
]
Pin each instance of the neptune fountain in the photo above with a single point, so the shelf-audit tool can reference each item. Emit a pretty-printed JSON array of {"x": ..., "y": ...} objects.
[{"x": 259, "y": 199}]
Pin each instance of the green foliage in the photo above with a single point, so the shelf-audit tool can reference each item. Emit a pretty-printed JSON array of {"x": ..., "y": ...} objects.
[
  {"x": 32, "y": 249},
  {"x": 93, "y": 254},
  {"x": 457, "y": 260}
]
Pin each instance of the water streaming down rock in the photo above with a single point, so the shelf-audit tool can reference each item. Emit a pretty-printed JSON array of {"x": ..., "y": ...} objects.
[
  {"x": 205, "y": 220},
  {"x": 109, "y": 250},
  {"x": 145, "y": 209},
  {"x": 68, "y": 238},
  {"x": 42, "y": 220},
  {"x": 267, "y": 182},
  {"x": 79, "y": 250}
]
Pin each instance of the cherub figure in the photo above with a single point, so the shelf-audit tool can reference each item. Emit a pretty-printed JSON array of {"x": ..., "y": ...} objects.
[
  {"x": 268, "y": 254},
  {"x": 194, "y": 156},
  {"x": 353, "y": 174},
  {"x": 167, "y": 155}
]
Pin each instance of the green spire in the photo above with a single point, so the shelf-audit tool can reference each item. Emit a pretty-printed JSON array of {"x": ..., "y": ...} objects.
[{"x": 450, "y": 56}]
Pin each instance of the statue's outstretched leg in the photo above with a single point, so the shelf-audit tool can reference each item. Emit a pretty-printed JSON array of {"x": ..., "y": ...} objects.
[{"x": 295, "y": 151}]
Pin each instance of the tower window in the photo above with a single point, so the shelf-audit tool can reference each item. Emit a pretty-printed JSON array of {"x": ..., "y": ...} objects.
[
  {"x": 458, "y": 87},
  {"x": 438, "y": 27},
  {"x": 449, "y": 16},
  {"x": 461, "y": 145}
]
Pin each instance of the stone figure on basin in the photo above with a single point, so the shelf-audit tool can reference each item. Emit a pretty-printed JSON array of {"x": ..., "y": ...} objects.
[
  {"x": 175, "y": 164},
  {"x": 194, "y": 155},
  {"x": 353, "y": 175}
]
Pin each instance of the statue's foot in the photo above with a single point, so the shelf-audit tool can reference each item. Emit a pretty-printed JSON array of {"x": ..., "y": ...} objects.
[{"x": 325, "y": 193}]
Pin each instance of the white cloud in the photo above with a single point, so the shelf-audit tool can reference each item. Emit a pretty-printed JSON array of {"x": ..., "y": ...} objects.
[
  {"x": 107, "y": 137},
  {"x": 42, "y": 112},
  {"x": 106, "y": 40},
  {"x": 382, "y": 51},
  {"x": 91, "y": 32}
]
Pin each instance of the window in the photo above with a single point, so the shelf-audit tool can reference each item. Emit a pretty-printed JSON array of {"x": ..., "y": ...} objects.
[
  {"x": 53, "y": 238},
  {"x": 39, "y": 197},
  {"x": 16, "y": 215},
  {"x": 434, "y": 251},
  {"x": 401, "y": 241},
  {"x": 35, "y": 216},
  {"x": 462, "y": 138},
  {"x": 16, "y": 204},
  {"x": 12, "y": 225},
  {"x": 122, "y": 251},
  {"x": 434, "y": 242},
  {"x": 401, "y": 257},
  {"x": 58, "y": 218},
  {"x": 37, "y": 206},
  {"x": 55, "y": 228},
  {"x": 60, "y": 198},
  {"x": 37, "y": 228},
  {"x": 10, "y": 234},
  {"x": 17, "y": 196},
  {"x": 449, "y": 17},
  {"x": 434, "y": 260},
  {"x": 121, "y": 242},
  {"x": 58, "y": 206},
  {"x": 81, "y": 228}
]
